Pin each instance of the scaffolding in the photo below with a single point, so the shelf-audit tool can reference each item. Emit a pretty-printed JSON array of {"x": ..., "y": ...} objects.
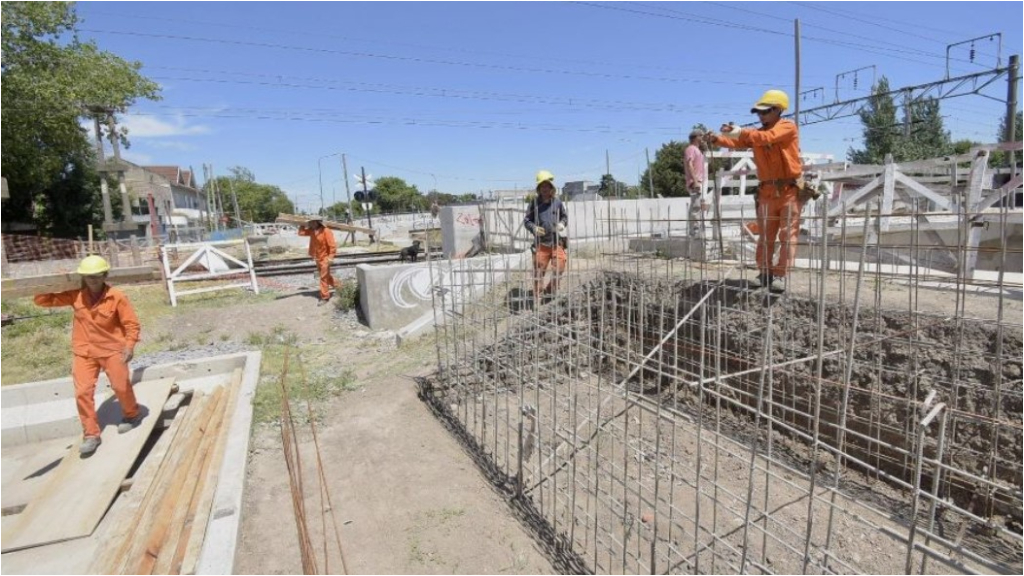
[{"x": 662, "y": 415}]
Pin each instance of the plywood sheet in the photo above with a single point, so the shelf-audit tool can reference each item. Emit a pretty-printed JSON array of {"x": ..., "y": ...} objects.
[{"x": 80, "y": 490}]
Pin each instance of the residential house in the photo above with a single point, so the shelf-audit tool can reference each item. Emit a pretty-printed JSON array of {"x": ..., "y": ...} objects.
[{"x": 180, "y": 205}]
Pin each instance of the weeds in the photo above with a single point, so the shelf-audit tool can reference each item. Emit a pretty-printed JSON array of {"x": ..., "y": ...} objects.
[{"x": 347, "y": 297}]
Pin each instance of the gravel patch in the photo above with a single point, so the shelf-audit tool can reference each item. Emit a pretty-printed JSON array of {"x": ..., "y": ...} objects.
[{"x": 198, "y": 352}]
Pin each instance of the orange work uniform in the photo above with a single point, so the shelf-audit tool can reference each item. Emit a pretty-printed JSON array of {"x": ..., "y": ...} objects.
[
  {"x": 777, "y": 156},
  {"x": 101, "y": 330},
  {"x": 548, "y": 256},
  {"x": 322, "y": 248}
]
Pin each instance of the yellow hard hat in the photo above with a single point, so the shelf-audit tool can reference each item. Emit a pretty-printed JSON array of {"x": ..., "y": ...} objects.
[
  {"x": 545, "y": 176},
  {"x": 93, "y": 265},
  {"x": 771, "y": 99}
]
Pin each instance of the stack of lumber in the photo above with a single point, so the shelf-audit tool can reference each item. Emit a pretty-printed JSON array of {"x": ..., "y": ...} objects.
[
  {"x": 161, "y": 526},
  {"x": 295, "y": 219},
  {"x": 32, "y": 285}
]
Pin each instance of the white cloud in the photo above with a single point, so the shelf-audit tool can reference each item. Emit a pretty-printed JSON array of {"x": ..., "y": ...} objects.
[
  {"x": 137, "y": 157},
  {"x": 152, "y": 127},
  {"x": 172, "y": 145}
]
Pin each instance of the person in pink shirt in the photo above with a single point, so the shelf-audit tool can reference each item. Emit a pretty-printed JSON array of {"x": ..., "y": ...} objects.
[{"x": 693, "y": 162}]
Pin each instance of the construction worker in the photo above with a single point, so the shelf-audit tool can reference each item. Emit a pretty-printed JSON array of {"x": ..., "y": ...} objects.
[
  {"x": 780, "y": 198},
  {"x": 322, "y": 248},
  {"x": 693, "y": 165},
  {"x": 547, "y": 219},
  {"x": 104, "y": 331}
]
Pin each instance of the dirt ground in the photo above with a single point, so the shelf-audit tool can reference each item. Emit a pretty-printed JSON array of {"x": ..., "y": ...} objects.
[{"x": 407, "y": 497}]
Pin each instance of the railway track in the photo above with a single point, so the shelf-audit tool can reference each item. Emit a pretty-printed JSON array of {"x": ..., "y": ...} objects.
[{"x": 300, "y": 265}]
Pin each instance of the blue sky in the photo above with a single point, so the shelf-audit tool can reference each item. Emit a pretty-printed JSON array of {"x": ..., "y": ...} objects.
[{"x": 477, "y": 96}]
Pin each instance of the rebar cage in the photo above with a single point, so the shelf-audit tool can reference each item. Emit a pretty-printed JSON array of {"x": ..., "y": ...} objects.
[{"x": 663, "y": 415}]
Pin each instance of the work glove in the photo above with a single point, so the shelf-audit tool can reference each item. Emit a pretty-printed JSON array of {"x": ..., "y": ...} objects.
[
  {"x": 560, "y": 229},
  {"x": 731, "y": 130},
  {"x": 539, "y": 231},
  {"x": 127, "y": 354}
]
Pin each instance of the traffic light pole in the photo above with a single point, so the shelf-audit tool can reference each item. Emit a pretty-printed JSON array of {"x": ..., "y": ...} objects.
[{"x": 369, "y": 219}]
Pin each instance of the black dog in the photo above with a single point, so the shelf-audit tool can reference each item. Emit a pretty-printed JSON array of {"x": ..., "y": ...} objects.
[{"x": 410, "y": 252}]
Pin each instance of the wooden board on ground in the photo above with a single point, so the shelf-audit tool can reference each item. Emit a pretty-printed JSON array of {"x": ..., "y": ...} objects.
[
  {"x": 32, "y": 285},
  {"x": 80, "y": 490},
  {"x": 294, "y": 219}
]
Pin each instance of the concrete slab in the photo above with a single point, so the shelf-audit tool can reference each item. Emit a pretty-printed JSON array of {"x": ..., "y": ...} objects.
[{"x": 24, "y": 458}]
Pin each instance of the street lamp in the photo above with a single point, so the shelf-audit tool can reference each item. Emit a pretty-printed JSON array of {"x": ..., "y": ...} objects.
[{"x": 320, "y": 171}]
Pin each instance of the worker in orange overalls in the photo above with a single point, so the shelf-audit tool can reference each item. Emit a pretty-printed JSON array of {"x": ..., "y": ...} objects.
[
  {"x": 780, "y": 196},
  {"x": 547, "y": 219},
  {"x": 322, "y": 248},
  {"x": 104, "y": 332}
]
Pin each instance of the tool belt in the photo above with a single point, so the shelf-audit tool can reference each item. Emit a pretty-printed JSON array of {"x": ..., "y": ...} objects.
[{"x": 804, "y": 190}]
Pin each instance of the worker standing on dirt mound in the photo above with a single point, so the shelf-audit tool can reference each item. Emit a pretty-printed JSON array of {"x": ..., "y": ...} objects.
[
  {"x": 781, "y": 188},
  {"x": 322, "y": 247},
  {"x": 547, "y": 220},
  {"x": 104, "y": 331}
]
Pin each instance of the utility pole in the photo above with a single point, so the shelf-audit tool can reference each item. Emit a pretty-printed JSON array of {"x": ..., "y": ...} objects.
[
  {"x": 348, "y": 192},
  {"x": 108, "y": 211},
  {"x": 607, "y": 166},
  {"x": 650, "y": 173},
  {"x": 796, "y": 38},
  {"x": 1011, "y": 111},
  {"x": 234, "y": 201}
]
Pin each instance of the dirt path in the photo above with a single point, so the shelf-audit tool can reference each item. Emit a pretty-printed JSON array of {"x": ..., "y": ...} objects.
[{"x": 410, "y": 501}]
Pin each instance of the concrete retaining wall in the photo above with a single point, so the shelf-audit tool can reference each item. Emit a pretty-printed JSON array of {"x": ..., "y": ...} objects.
[
  {"x": 400, "y": 297},
  {"x": 460, "y": 230},
  {"x": 615, "y": 219}
]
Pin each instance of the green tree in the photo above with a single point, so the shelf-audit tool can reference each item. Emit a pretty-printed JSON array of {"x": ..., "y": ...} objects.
[
  {"x": 668, "y": 172},
  {"x": 49, "y": 78},
  {"x": 884, "y": 133},
  {"x": 256, "y": 202},
  {"x": 999, "y": 158},
  {"x": 611, "y": 187},
  {"x": 395, "y": 195}
]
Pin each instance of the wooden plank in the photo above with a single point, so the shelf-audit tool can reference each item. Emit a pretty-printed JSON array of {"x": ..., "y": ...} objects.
[
  {"x": 32, "y": 285},
  {"x": 293, "y": 219},
  {"x": 180, "y": 454},
  {"x": 81, "y": 489},
  {"x": 194, "y": 529},
  {"x": 162, "y": 549},
  {"x": 127, "y": 509}
]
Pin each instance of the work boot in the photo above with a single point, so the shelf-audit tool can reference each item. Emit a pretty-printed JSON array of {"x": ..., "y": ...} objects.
[
  {"x": 127, "y": 424},
  {"x": 323, "y": 301},
  {"x": 777, "y": 284},
  {"x": 763, "y": 280},
  {"x": 89, "y": 445}
]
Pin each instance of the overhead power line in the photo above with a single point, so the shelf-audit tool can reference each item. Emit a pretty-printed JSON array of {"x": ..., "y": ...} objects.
[
  {"x": 547, "y": 58},
  {"x": 275, "y": 80},
  {"x": 408, "y": 121},
  {"x": 688, "y": 17},
  {"x": 419, "y": 60}
]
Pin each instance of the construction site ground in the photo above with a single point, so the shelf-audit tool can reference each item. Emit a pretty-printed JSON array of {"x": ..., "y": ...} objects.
[{"x": 407, "y": 496}]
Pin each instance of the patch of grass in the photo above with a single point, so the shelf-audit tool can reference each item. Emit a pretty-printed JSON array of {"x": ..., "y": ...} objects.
[
  {"x": 446, "y": 514},
  {"x": 305, "y": 380},
  {"x": 36, "y": 347}
]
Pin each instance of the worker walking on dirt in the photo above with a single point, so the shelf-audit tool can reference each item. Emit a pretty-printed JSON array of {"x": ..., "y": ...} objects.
[
  {"x": 547, "y": 220},
  {"x": 322, "y": 248},
  {"x": 693, "y": 165},
  {"x": 781, "y": 188},
  {"x": 104, "y": 331}
]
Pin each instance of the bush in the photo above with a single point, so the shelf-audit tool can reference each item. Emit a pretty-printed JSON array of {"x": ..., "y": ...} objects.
[{"x": 347, "y": 296}]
